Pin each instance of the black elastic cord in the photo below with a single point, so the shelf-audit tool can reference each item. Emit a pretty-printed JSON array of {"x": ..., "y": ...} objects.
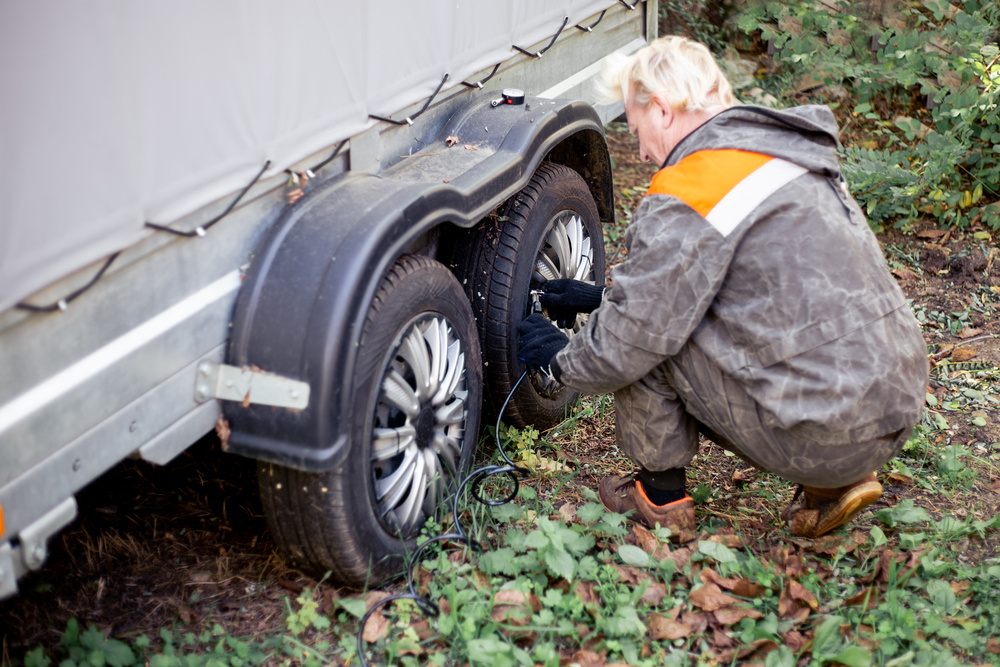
[
  {"x": 594, "y": 25},
  {"x": 538, "y": 54},
  {"x": 409, "y": 119},
  {"x": 330, "y": 159},
  {"x": 630, "y": 7},
  {"x": 61, "y": 304},
  {"x": 479, "y": 84},
  {"x": 201, "y": 229}
]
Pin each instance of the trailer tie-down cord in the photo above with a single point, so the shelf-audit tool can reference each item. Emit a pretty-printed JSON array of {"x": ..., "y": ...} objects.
[{"x": 474, "y": 480}]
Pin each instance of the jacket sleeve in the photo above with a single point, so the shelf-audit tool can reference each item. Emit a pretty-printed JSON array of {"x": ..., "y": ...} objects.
[{"x": 676, "y": 265}]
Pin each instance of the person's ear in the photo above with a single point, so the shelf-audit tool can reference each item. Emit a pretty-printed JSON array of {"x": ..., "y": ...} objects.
[{"x": 662, "y": 107}]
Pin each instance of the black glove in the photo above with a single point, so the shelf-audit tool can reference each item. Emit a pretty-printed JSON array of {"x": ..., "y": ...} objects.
[
  {"x": 563, "y": 298},
  {"x": 538, "y": 340}
]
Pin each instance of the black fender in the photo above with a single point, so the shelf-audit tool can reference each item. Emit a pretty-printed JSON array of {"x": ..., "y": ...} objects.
[{"x": 302, "y": 306}]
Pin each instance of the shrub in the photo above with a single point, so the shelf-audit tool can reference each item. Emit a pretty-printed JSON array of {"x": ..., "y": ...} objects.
[{"x": 922, "y": 91}]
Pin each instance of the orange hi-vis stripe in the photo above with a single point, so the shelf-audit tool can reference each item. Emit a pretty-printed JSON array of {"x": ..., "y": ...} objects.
[{"x": 723, "y": 186}]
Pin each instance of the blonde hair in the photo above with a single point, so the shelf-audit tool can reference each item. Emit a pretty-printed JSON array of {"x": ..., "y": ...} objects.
[{"x": 681, "y": 70}]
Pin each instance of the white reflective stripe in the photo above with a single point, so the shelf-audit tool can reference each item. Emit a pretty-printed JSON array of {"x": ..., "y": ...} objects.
[
  {"x": 73, "y": 376},
  {"x": 750, "y": 193}
]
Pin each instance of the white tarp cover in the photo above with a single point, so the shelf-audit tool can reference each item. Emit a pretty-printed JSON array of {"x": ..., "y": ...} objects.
[{"x": 117, "y": 112}]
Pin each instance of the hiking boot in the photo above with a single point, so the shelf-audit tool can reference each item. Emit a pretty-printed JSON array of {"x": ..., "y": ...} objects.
[
  {"x": 823, "y": 510},
  {"x": 622, "y": 494}
]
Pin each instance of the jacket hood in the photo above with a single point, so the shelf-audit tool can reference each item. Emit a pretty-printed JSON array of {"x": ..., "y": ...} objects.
[{"x": 806, "y": 135}]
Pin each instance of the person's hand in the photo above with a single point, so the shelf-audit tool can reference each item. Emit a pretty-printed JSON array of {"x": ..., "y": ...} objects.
[
  {"x": 563, "y": 298},
  {"x": 538, "y": 340}
]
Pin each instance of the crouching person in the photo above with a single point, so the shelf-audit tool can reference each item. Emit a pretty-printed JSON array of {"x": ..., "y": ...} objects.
[{"x": 754, "y": 306}]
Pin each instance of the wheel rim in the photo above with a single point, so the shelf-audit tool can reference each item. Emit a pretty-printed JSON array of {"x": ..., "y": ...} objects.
[
  {"x": 419, "y": 425},
  {"x": 566, "y": 252}
]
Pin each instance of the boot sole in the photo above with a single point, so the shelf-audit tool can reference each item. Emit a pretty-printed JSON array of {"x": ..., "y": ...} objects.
[{"x": 847, "y": 507}]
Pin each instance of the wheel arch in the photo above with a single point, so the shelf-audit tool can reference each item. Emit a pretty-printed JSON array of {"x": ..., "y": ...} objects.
[{"x": 302, "y": 306}]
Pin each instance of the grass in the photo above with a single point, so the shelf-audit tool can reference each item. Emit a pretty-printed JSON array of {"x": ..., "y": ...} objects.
[{"x": 916, "y": 581}]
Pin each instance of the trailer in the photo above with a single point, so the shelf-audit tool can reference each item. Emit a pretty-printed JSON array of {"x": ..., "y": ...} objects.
[{"x": 311, "y": 227}]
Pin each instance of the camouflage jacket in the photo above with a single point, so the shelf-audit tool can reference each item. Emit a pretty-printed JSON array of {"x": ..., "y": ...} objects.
[{"x": 749, "y": 246}]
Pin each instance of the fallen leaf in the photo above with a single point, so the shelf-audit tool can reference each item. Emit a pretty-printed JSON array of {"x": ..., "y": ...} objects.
[
  {"x": 514, "y": 607},
  {"x": 733, "y": 615},
  {"x": 868, "y": 597},
  {"x": 963, "y": 353},
  {"x": 654, "y": 595},
  {"x": 795, "y": 601},
  {"x": 470, "y": 147},
  {"x": 969, "y": 332},
  {"x": 993, "y": 646},
  {"x": 644, "y": 539},
  {"x": 377, "y": 625},
  {"x": 450, "y": 140},
  {"x": 586, "y": 658},
  {"x": 709, "y": 597},
  {"x": 661, "y": 627},
  {"x": 585, "y": 592},
  {"x": 905, "y": 274},
  {"x": 899, "y": 478},
  {"x": 696, "y": 619},
  {"x": 931, "y": 233},
  {"x": 740, "y": 476},
  {"x": 567, "y": 512}
]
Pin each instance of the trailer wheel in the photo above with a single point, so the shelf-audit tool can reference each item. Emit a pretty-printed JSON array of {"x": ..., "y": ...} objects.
[
  {"x": 551, "y": 229},
  {"x": 417, "y": 395}
]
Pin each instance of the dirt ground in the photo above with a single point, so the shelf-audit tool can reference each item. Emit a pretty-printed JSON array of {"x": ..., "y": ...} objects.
[{"x": 186, "y": 545}]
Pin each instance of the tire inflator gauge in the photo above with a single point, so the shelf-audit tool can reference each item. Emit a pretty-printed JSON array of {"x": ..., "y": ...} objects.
[{"x": 509, "y": 96}]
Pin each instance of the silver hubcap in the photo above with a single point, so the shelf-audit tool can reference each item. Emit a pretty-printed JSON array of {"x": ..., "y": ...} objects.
[
  {"x": 419, "y": 424},
  {"x": 565, "y": 253}
]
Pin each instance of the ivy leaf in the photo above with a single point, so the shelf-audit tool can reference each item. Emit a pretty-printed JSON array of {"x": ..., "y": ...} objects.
[
  {"x": 559, "y": 563},
  {"x": 827, "y": 638},
  {"x": 720, "y": 553},
  {"x": 633, "y": 555},
  {"x": 853, "y": 656},
  {"x": 590, "y": 512},
  {"x": 904, "y": 512}
]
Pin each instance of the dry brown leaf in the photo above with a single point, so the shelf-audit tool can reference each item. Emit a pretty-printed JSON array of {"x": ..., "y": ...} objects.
[
  {"x": 969, "y": 332},
  {"x": 900, "y": 478},
  {"x": 710, "y": 576},
  {"x": 740, "y": 476},
  {"x": 631, "y": 575},
  {"x": 963, "y": 353},
  {"x": 470, "y": 147},
  {"x": 585, "y": 591},
  {"x": 450, "y": 140},
  {"x": 905, "y": 274},
  {"x": 931, "y": 233},
  {"x": 696, "y": 619},
  {"x": 643, "y": 539},
  {"x": 993, "y": 646},
  {"x": 661, "y": 627},
  {"x": 377, "y": 625},
  {"x": 514, "y": 607},
  {"x": 710, "y": 597},
  {"x": 567, "y": 512},
  {"x": 869, "y": 597},
  {"x": 733, "y": 615},
  {"x": 795, "y": 601},
  {"x": 654, "y": 595},
  {"x": 831, "y": 544},
  {"x": 586, "y": 658}
]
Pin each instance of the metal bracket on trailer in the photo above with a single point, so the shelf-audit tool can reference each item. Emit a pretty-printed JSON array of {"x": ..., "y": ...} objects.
[{"x": 247, "y": 386}]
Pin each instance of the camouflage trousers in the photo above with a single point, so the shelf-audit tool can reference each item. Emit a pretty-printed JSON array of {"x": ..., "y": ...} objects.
[{"x": 658, "y": 419}]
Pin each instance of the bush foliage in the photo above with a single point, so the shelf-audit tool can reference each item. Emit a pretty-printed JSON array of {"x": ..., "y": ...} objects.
[{"x": 917, "y": 87}]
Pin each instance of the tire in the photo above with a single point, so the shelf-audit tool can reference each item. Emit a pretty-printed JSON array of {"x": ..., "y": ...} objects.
[
  {"x": 551, "y": 229},
  {"x": 418, "y": 390}
]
